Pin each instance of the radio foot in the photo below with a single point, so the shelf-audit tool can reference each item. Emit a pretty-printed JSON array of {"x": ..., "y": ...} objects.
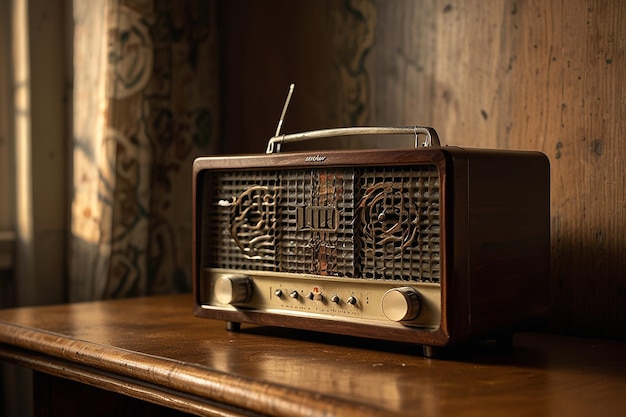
[
  {"x": 431, "y": 352},
  {"x": 233, "y": 326}
]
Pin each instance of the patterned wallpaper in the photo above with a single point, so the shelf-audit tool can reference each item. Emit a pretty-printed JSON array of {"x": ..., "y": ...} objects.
[{"x": 146, "y": 101}]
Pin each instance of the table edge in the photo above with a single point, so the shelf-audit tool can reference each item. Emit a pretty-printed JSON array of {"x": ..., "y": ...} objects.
[{"x": 48, "y": 350}]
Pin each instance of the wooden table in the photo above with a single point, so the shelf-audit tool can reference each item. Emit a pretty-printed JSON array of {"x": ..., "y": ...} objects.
[{"x": 154, "y": 350}]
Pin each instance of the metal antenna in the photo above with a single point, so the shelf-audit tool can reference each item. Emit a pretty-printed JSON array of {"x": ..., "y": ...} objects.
[{"x": 282, "y": 116}]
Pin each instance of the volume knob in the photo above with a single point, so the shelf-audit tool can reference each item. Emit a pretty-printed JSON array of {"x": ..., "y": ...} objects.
[
  {"x": 401, "y": 304},
  {"x": 233, "y": 289}
]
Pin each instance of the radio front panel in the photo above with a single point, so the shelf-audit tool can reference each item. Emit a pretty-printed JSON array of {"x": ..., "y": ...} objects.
[
  {"x": 434, "y": 246},
  {"x": 324, "y": 242}
]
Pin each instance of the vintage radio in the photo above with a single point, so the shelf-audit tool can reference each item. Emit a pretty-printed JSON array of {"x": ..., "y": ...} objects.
[
  {"x": 436, "y": 245},
  {"x": 433, "y": 245}
]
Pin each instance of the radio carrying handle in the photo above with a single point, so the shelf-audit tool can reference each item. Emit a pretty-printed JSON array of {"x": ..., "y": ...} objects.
[{"x": 430, "y": 135}]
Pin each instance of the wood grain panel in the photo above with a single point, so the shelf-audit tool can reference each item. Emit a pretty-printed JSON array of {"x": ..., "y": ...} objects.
[
  {"x": 571, "y": 93},
  {"x": 536, "y": 75}
]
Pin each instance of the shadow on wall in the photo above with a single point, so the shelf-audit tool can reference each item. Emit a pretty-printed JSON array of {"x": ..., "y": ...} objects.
[{"x": 588, "y": 291}]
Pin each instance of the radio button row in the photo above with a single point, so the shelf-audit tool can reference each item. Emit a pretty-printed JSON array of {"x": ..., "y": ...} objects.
[{"x": 228, "y": 283}]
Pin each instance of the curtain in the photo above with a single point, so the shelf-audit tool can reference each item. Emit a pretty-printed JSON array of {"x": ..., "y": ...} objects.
[{"x": 145, "y": 105}]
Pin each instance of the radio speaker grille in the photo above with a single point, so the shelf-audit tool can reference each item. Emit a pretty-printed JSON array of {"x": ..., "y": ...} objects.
[{"x": 374, "y": 222}]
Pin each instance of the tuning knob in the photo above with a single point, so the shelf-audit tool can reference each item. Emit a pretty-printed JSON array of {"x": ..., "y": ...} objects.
[
  {"x": 401, "y": 304},
  {"x": 233, "y": 289}
]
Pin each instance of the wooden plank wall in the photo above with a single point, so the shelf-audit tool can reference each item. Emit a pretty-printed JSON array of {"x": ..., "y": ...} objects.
[
  {"x": 543, "y": 75},
  {"x": 268, "y": 45}
]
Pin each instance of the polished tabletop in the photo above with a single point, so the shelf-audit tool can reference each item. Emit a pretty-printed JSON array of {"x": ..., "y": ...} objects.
[{"x": 155, "y": 349}]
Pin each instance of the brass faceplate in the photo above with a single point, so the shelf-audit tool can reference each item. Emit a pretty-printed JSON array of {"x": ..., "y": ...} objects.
[{"x": 322, "y": 297}]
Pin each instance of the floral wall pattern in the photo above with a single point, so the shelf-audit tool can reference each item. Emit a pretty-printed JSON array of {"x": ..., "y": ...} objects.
[
  {"x": 354, "y": 28},
  {"x": 145, "y": 105}
]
